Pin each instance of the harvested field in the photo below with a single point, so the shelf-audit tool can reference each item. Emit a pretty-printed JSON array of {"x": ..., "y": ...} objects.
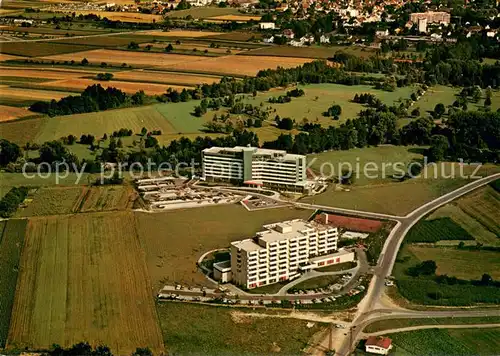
[
  {"x": 484, "y": 206},
  {"x": 31, "y": 94},
  {"x": 181, "y": 33},
  {"x": 129, "y": 57},
  {"x": 45, "y": 73},
  {"x": 36, "y": 49},
  {"x": 8, "y": 113},
  {"x": 239, "y": 65},
  {"x": 123, "y": 16},
  {"x": 83, "y": 277},
  {"x": 128, "y": 87},
  {"x": 238, "y": 18},
  {"x": 289, "y": 51},
  {"x": 236, "y": 36},
  {"x": 167, "y": 78},
  {"x": 106, "y": 198},
  {"x": 202, "y": 12},
  {"x": 189, "y": 48},
  {"x": 351, "y": 223},
  {"x": 7, "y": 57},
  {"x": 174, "y": 240}
]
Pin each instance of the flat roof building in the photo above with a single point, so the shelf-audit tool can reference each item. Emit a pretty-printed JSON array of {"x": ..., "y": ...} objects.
[
  {"x": 255, "y": 167},
  {"x": 278, "y": 252}
]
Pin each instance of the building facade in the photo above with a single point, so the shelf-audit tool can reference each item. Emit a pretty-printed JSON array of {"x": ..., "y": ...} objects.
[
  {"x": 255, "y": 167},
  {"x": 431, "y": 17},
  {"x": 280, "y": 252}
]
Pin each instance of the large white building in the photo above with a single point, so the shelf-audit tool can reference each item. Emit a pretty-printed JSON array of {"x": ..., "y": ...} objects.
[
  {"x": 282, "y": 251},
  {"x": 255, "y": 167}
]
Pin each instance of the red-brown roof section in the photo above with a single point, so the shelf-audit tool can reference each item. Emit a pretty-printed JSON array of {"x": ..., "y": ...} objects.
[{"x": 383, "y": 342}]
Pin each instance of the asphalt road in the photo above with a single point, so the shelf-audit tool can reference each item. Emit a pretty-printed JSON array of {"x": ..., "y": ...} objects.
[{"x": 388, "y": 257}]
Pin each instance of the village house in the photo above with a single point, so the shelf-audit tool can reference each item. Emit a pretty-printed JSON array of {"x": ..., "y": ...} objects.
[{"x": 378, "y": 345}]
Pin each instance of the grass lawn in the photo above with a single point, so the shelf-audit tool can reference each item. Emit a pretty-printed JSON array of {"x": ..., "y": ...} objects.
[
  {"x": 403, "y": 323},
  {"x": 435, "y": 95},
  {"x": 317, "y": 282},
  {"x": 337, "y": 267},
  {"x": 462, "y": 264},
  {"x": 190, "y": 329},
  {"x": 319, "y": 97},
  {"x": 447, "y": 342},
  {"x": 388, "y": 155},
  {"x": 83, "y": 277},
  {"x": 174, "y": 240},
  {"x": 11, "y": 245}
]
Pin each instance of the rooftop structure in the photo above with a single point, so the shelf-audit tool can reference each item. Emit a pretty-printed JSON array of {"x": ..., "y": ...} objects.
[
  {"x": 378, "y": 345},
  {"x": 278, "y": 252},
  {"x": 255, "y": 167}
]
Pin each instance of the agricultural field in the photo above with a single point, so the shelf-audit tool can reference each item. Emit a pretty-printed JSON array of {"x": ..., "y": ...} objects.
[
  {"x": 123, "y": 16},
  {"x": 241, "y": 65},
  {"x": 30, "y": 94},
  {"x": 203, "y": 12},
  {"x": 38, "y": 49},
  {"x": 236, "y": 18},
  {"x": 8, "y": 113},
  {"x": 80, "y": 84},
  {"x": 437, "y": 229},
  {"x": 11, "y": 245},
  {"x": 7, "y": 57},
  {"x": 144, "y": 59},
  {"x": 180, "y": 79},
  {"x": 174, "y": 240},
  {"x": 52, "y": 201},
  {"x": 477, "y": 213},
  {"x": 314, "y": 51},
  {"x": 189, "y": 329},
  {"x": 463, "y": 264},
  {"x": 181, "y": 33},
  {"x": 106, "y": 198},
  {"x": 116, "y": 308},
  {"x": 474, "y": 341}
]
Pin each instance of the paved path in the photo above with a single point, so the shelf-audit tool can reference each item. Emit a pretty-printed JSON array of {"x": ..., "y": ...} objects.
[{"x": 440, "y": 326}]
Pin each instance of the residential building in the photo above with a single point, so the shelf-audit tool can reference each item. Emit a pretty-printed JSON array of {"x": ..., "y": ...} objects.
[
  {"x": 431, "y": 17},
  {"x": 267, "y": 26},
  {"x": 378, "y": 345},
  {"x": 256, "y": 167},
  {"x": 280, "y": 252},
  {"x": 422, "y": 25}
]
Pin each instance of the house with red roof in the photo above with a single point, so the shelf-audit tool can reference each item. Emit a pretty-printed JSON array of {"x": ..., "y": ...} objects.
[{"x": 378, "y": 345}]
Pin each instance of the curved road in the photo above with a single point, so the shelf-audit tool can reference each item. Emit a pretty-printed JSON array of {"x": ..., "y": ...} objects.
[{"x": 388, "y": 257}]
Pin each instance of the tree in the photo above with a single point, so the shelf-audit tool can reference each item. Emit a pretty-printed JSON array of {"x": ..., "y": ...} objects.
[
  {"x": 140, "y": 351},
  {"x": 425, "y": 268},
  {"x": 439, "y": 148},
  {"x": 486, "y": 280},
  {"x": 334, "y": 110},
  {"x": 439, "y": 110},
  {"x": 84, "y": 62},
  {"x": 133, "y": 45},
  {"x": 9, "y": 152},
  {"x": 487, "y": 101},
  {"x": 144, "y": 131},
  {"x": 285, "y": 123}
]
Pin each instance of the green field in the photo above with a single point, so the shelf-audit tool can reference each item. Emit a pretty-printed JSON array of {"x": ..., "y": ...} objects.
[
  {"x": 11, "y": 245},
  {"x": 435, "y": 95},
  {"x": 52, "y": 201},
  {"x": 190, "y": 329},
  {"x": 37, "y": 49},
  {"x": 404, "y": 323},
  {"x": 463, "y": 264},
  {"x": 447, "y": 342},
  {"x": 174, "y": 240},
  {"x": 380, "y": 156},
  {"x": 435, "y": 230}
]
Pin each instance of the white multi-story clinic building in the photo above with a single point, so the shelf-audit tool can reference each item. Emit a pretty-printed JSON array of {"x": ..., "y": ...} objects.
[
  {"x": 282, "y": 250},
  {"x": 255, "y": 167}
]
